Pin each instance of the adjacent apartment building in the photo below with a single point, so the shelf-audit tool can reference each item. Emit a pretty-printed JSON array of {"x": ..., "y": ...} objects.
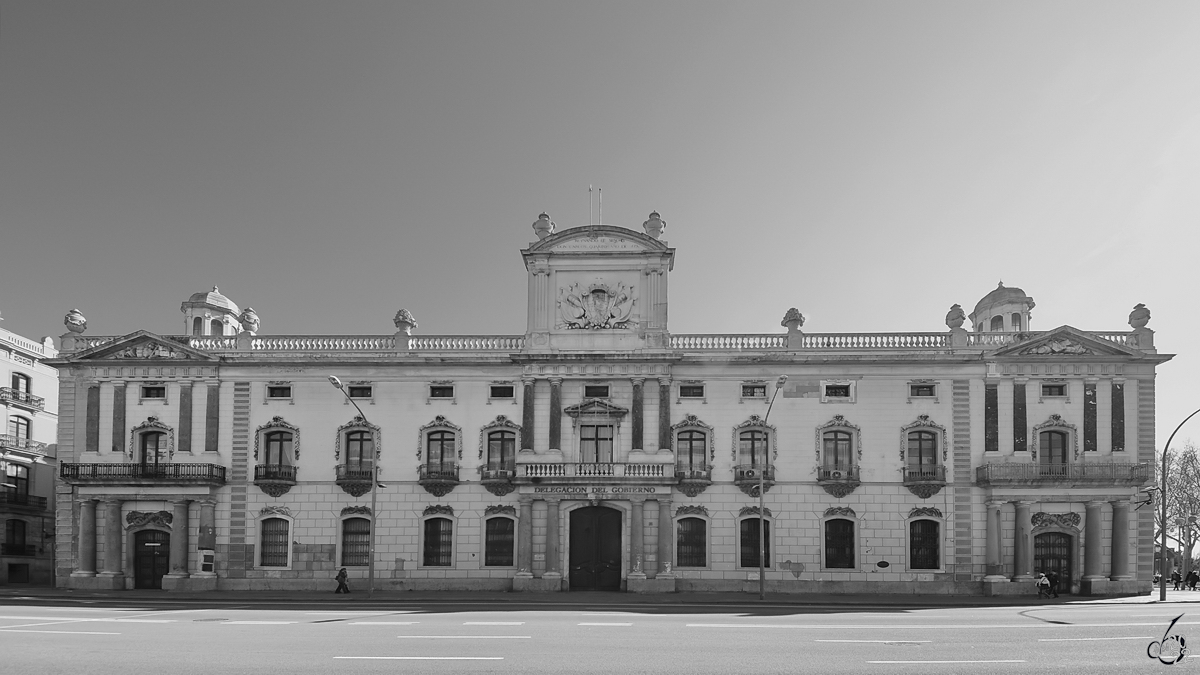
[
  {"x": 598, "y": 450},
  {"x": 27, "y": 459}
]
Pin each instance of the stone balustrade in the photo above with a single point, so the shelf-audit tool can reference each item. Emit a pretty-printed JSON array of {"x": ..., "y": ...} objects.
[
  {"x": 599, "y": 470},
  {"x": 1102, "y": 473}
]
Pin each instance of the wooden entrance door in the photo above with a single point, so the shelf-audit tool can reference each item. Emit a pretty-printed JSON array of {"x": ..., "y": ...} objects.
[
  {"x": 1052, "y": 552},
  {"x": 595, "y": 555},
  {"x": 151, "y": 553}
]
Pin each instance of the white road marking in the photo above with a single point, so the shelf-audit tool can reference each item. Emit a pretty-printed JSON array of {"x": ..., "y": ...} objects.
[
  {"x": 1100, "y": 639},
  {"x": 926, "y": 662},
  {"x": 359, "y": 613},
  {"x": 256, "y": 623},
  {"x": 83, "y": 619},
  {"x": 886, "y": 642},
  {"x": 465, "y": 637},
  {"x": 493, "y": 623},
  {"x": 1038, "y": 625},
  {"x": 426, "y": 658},
  {"x": 62, "y": 632},
  {"x": 384, "y": 623},
  {"x": 607, "y": 614},
  {"x": 606, "y": 624}
]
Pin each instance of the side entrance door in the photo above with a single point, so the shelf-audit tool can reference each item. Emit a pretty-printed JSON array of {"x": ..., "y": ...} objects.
[
  {"x": 151, "y": 552},
  {"x": 595, "y": 554},
  {"x": 1052, "y": 552}
]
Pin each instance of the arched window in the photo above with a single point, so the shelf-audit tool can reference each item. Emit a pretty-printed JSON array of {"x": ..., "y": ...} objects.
[
  {"x": 217, "y": 327},
  {"x": 197, "y": 326},
  {"x": 924, "y": 545},
  {"x": 356, "y": 542},
  {"x": 499, "y": 541},
  {"x": 275, "y": 542},
  {"x": 501, "y": 450},
  {"x": 997, "y": 323},
  {"x": 922, "y": 453},
  {"x": 152, "y": 445},
  {"x": 439, "y": 448},
  {"x": 752, "y": 448},
  {"x": 18, "y": 427},
  {"x": 1053, "y": 448},
  {"x": 691, "y": 543},
  {"x": 360, "y": 450},
  {"x": 838, "y": 450},
  {"x": 438, "y": 545},
  {"x": 748, "y": 540},
  {"x": 278, "y": 448},
  {"x": 839, "y": 543},
  {"x": 1016, "y": 321},
  {"x": 691, "y": 450}
]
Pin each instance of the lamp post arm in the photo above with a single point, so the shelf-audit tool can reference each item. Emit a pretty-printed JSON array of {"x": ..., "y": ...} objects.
[{"x": 762, "y": 509}]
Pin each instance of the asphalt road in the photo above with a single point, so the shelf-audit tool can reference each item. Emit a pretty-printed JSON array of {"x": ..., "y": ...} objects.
[{"x": 204, "y": 638}]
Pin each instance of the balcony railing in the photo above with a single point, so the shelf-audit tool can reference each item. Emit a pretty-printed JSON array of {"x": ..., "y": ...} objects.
[
  {"x": 281, "y": 472},
  {"x": 113, "y": 473},
  {"x": 924, "y": 474},
  {"x": 837, "y": 473},
  {"x": 10, "y": 496},
  {"x": 10, "y": 442},
  {"x": 498, "y": 471},
  {"x": 1109, "y": 473},
  {"x": 23, "y": 398},
  {"x": 354, "y": 473},
  {"x": 750, "y": 473},
  {"x": 17, "y": 549},
  {"x": 692, "y": 472},
  {"x": 443, "y": 471},
  {"x": 592, "y": 470}
]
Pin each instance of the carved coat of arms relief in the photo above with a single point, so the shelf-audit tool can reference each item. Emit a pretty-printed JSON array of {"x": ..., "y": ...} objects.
[{"x": 595, "y": 306}]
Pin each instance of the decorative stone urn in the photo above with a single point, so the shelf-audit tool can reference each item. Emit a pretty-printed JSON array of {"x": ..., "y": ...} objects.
[
  {"x": 249, "y": 320},
  {"x": 1138, "y": 318},
  {"x": 75, "y": 322},
  {"x": 955, "y": 317},
  {"x": 792, "y": 320},
  {"x": 655, "y": 226},
  {"x": 404, "y": 321},
  {"x": 543, "y": 227}
]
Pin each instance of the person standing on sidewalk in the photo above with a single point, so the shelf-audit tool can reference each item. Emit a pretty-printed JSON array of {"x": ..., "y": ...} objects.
[
  {"x": 341, "y": 579},
  {"x": 1193, "y": 577},
  {"x": 1176, "y": 579},
  {"x": 1052, "y": 577},
  {"x": 1043, "y": 586}
]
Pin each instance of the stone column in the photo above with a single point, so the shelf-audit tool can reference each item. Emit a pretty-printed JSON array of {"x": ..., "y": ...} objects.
[
  {"x": 86, "y": 560},
  {"x": 637, "y": 533},
  {"x": 639, "y": 412},
  {"x": 1022, "y": 560},
  {"x": 113, "y": 559},
  {"x": 665, "y": 534},
  {"x": 525, "y": 538},
  {"x": 556, "y": 413},
  {"x": 995, "y": 565},
  {"x": 178, "y": 561},
  {"x": 553, "y": 553},
  {"x": 1092, "y": 540},
  {"x": 664, "y": 414},
  {"x": 527, "y": 401},
  {"x": 1120, "y": 541}
]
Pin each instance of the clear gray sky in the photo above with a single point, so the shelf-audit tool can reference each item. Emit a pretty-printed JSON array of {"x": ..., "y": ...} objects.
[{"x": 870, "y": 163}]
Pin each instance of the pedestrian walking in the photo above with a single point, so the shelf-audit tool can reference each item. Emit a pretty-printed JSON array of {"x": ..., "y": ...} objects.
[
  {"x": 1043, "y": 586},
  {"x": 341, "y": 579},
  {"x": 1176, "y": 579},
  {"x": 1193, "y": 578},
  {"x": 1052, "y": 577}
]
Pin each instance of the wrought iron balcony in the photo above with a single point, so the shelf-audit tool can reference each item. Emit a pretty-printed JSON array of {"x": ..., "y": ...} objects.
[
  {"x": 1108, "y": 473},
  {"x": 274, "y": 479},
  {"x": 924, "y": 481},
  {"x": 10, "y": 497},
  {"x": 22, "y": 398},
  {"x": 18, "y": 549},
  {"x": 355, "y": 479},
  {"x": 497, "y": 477},
  {"x": 693, "y": 478},
  {"x": 114, "y": 473},
  {"x": 838, "y": 481},
  {"x": 748, "y": 476},
  {"x": 10, "y": 442},
  {"x": 438, "y": 479}
]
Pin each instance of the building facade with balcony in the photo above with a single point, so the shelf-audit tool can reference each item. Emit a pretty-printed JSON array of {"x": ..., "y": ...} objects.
[
  {"x": 29, "y": 400},
  {"x": 600, "y": 451}
]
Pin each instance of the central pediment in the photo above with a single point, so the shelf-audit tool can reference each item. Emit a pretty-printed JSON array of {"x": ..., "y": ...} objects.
[
  {"x": 143, "y": 346},
  {"x": 595, "y": 407},
  {"x": 1065, "y": 341},
  {"x": 597, "y": 239}
]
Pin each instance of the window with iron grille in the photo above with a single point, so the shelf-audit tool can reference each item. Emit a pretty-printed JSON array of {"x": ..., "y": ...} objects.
[
  {"x": 438, "y": 542},
  {"x": 749, "y": 543},
  {"x": 924, "y": 545},
  {"x": 837, "y": 391},
  {"x": 498, "y": 542},
  {"x": 691, "y": 450},
  {"x": 274, "y": 543},
  {"x": 691, "y": 544},
  {"x": 596, "y": 443},
  {"x": 356, "y": 541},
  {"x": 754, "y": 391},
  {"x": 839, "y": 544}
]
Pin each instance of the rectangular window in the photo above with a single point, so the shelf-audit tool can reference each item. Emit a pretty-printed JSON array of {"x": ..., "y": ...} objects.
[
  {"x": 991, "y": 418},
  {"x": 154, "y": 391},
  {"x": 692, "y": 543},
  {"x": 1054, "y": 390},
  {"x": 837, "y": 391},
  {"x": 356, "y": 542},
  {"x": 1118, "y": 416},
  {"x": 361, "y": 391},
  {"x": 14, "y": 536},
  {"x": 922, "y": 390},
  {"x": 17, "y": 482},
  {"x": 498, "y": 542},
  {"x": 502, "y": 391},
  {"x": 279, "y": 391},
  {"x": 1020, "y": 434},
  {"x": 839, "y": 544},
  {"x": 438, "y": 542},
  {"x": 1089, "y": 417},
  {"x": 749, "y": 543},
  {"x": 595, "y": 391},
  {"x": 691, "y": 391},
  {"x": 754, "y": 391},
  {"x": 595, "y": 443},
  {"x": 924, "y": 543},
  {"x": 441, "y": 391},
  {"x": 274, "y": 542}
]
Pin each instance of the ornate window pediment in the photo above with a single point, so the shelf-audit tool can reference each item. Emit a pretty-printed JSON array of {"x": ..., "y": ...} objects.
[
  {"x": 438, "y": 510},
  {"x": 501, "y": 423},
  {"x": 1066, "y": 521},
  {"x": 753, "y": 511},
  {"x": 691, "y": 510},
  {"x": 592, "y": 408},
  {"x": 152, "y": 425},
  {"x": 277, "y": 423},
  {"x": 355, "y": 424},
  {"x": 925, "y": 512},
  {"x": 840, "y": 512},
  {"x": 1054, "y": 423},
  {"x": 440, "y": 423},
  {"x": 923, "y": 423},
  {"x": 755, "y": 423}
]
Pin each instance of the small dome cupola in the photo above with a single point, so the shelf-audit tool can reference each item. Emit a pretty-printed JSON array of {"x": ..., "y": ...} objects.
[
  {"x": 1005, "y": 309},
  {"x": 210, "y": 313}
]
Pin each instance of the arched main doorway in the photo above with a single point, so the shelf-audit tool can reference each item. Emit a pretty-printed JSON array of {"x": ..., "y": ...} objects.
[
  {"x": 1052, "y": 553},
  {"x": 595, "y": 549},
  {"x": 151, "y": 554}
]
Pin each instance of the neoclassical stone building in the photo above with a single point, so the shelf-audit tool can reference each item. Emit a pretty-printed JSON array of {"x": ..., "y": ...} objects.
[{"x": 600, "y": 451}]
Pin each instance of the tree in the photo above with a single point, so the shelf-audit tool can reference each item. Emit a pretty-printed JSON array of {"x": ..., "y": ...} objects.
[{"x": 1183, "y": 502}]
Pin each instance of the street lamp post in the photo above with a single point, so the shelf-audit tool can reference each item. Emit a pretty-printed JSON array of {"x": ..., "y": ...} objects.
[
  {"x": 374, "y": 490},
  {"x": 762, "y": 517},
  {"x": 1162, "y": 547}
]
